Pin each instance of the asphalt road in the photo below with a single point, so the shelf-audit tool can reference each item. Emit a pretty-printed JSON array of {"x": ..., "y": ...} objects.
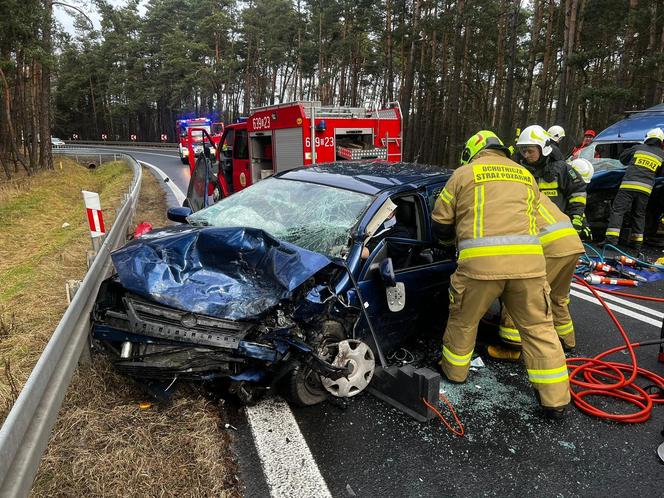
[{"x": 371, "y": 449}]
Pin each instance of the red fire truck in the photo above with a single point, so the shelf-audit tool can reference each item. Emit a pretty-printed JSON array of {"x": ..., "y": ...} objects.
[
  {"x": 285, "y": 136},
  {"x": 182, "y": 125}
]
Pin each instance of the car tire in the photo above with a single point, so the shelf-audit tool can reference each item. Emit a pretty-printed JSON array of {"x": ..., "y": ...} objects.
[{"x": 302, "y": 385}]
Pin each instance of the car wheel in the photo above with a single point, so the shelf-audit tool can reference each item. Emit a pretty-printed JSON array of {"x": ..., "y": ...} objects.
[{"x": 302, "y": 385}]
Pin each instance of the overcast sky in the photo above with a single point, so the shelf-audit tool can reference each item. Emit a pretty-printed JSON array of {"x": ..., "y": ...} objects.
[{"x": 67, "y": 20}]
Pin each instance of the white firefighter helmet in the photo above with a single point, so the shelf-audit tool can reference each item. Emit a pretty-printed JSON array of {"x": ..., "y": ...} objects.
[
  {"x": 584, "y": 168},
  {"x": 655, "y": 134},
  {"x": 535, "y": 135},
  {"x": 557, "y": 133}
]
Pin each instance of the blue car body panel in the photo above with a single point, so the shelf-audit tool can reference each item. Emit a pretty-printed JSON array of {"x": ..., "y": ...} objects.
[
  {"x": 634, "y": 127},
  {"x": 232, "y": 273}
]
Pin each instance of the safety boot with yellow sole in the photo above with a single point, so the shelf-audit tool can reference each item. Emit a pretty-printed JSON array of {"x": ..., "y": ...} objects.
[{"x": 503, "y": 354}]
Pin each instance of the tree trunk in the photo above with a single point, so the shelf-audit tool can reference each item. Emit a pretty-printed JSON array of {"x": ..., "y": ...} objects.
[
  {"x": 389, "y": 53},
  {"x": 453, "y": 146},
  {"x": 534, "y": 46},
  {"x": 508, "y": 118},
  {"x": 409, "y": 77}
]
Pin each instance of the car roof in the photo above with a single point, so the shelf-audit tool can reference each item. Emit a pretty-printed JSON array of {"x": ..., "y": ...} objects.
[
  {"x": 368, "y": 177},
  {"x": 634, "y": 127}
]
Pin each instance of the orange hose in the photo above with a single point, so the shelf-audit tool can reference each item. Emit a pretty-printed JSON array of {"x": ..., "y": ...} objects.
[{"x": 457, "y": 432}]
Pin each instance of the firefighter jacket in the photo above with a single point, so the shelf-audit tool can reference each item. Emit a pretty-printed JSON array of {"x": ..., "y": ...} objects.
[
  {"x": 490, "y": 206},
  {"x": 560, "y": 183},
  {"x": 643, "y": 161},
  {"x": 557, "y": 234}
]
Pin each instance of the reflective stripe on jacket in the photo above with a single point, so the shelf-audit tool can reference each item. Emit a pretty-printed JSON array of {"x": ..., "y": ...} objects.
[
  {"x": 643, "y": 161},
  {"x": 492, "y": 203},
  {"x": 557, "y": 234}
]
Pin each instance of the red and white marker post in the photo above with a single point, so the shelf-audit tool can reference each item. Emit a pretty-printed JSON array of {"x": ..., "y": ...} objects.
[{"x": 95, "y": 218}]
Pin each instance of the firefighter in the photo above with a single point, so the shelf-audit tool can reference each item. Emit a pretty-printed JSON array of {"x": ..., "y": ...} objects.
[
  {"x": 556, "y": 179},
  {"x": 562, "y": 248},
  {"x": 584, "y": 168},
  {"x": 557, "y": 133},
  {"x": 588, "y": 137},
  {"x": 643, "y": 162},
  {"x": 488, "y": 205}
]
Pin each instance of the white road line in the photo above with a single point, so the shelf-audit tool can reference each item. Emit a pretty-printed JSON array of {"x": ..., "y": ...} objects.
[
  {"x": 170, "y": 183},
  {"x": 618, "y": 309},
  {"x": 625, "y": 302},
  {"x": 289, "y": 467}
]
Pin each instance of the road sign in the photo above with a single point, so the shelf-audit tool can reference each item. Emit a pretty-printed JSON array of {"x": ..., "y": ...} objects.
[
  {"x": 164, "y": 137},
  {"x": 132, "y": 137},
  {"x": 95, "y": 218},
  {"x": 74, "y": 136},
  {"x": 104, "y": 136}
]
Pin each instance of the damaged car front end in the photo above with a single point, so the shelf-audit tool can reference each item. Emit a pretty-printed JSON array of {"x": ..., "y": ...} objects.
[
  {"x": 270, "y": 287},
  {"x": 200, "y": 302}
]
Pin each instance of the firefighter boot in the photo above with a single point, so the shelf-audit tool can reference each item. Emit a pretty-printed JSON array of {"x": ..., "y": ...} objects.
[{"x": 502, "y": 353}]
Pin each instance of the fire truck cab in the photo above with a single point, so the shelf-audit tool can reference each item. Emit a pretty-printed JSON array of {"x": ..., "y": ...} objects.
[
  {"x": 285, "y": 136},
  {"x": 215, "y": 131}
]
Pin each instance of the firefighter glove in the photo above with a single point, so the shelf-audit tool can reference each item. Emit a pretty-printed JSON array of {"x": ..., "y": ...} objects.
[{"x": 581, "y": 226}]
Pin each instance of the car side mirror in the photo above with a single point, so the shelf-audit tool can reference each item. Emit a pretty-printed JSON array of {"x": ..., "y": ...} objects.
[
  {"x": 178, "y": 214},
  {"x": 387, "y": 273}
]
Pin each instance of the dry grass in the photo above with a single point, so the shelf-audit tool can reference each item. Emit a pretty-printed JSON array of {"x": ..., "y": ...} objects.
[
  {"x": 38, "y": 255},
  {"x": 103, "y": 444}
]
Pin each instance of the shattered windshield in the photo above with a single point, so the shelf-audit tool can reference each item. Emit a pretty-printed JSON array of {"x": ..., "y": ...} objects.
[
  {"x": 316, "y": 217},
  {"x": 604, "y": 156}
]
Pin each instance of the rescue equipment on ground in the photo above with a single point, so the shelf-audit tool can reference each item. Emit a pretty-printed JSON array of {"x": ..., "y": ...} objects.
[
  {"x": 597, "y": 377},
  {"x": 599, "y": 280}
]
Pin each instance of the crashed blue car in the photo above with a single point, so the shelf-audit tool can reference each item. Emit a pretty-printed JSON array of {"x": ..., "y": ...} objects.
[
  {"x": 287, "y": 283},
  {"x": 603, "y": 153}
]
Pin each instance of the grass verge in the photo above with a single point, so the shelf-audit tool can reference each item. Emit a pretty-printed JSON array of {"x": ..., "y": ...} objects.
[{"x": 104, "y": 443}]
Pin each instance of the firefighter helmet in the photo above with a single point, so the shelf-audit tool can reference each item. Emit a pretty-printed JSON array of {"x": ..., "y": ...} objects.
[
  {"x": 584, "y": 168},
  {"x": 557, "y": 132},
  {"x": 655, "y": 134},
  {"x": 535, "y": 135},
  {"x": 481, "y": 140}
]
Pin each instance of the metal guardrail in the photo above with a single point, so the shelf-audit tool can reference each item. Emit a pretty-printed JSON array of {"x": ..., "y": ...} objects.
[
  {"x": 26, "y": 431},
  {"x": 108, "y": 143}
]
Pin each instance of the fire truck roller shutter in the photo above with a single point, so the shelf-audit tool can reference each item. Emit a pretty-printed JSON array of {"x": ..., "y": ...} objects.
[{"x": 288, "y": 149}]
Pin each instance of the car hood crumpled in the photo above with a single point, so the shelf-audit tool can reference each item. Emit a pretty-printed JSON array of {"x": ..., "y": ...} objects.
[{"x": 231, "y": 273}]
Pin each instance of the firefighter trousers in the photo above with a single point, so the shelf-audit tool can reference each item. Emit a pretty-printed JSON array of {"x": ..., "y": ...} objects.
[
  {"x": 559, "y": 273},
  {"x": 625, "y": 201},
  {"x": 528, "y": 303}
]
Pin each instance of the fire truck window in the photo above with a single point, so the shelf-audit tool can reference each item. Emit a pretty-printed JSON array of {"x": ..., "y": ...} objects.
[
  {"x": 227, "y": 146},
  {"x": 241, "y": 145}
]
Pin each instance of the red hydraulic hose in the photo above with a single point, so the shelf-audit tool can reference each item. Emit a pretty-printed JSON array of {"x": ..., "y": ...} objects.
[
  {"x": 606, "y": 378},
  {"x": 627, "y": 294}
]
